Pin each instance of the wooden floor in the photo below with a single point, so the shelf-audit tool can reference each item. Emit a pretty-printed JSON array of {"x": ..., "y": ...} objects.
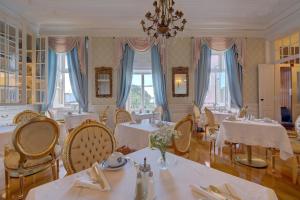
[{"x": 280, "y": 181}]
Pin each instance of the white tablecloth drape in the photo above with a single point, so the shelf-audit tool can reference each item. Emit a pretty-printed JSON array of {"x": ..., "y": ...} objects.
[
  {"x": 74, "y": 120},
  {"x": 135, "y": 136},
  {"x": 171, "y": 184},
  {"x": 256, "y": 133},
  {"x": 219, "y": 117},
  {"x": 141, "y": 116}
]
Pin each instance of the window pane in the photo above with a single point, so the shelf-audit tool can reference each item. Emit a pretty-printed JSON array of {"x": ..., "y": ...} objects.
[
  {"x": 148, "y": 79},
  {"x": 149, "y": 100},
  {"x": 68, "y": 95},
  {"x": 135, "y": 95}
]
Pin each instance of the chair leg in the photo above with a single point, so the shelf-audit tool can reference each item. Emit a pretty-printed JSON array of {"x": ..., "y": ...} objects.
[
  {"x": 273, "y": 160},
  {"x": 210, "y": 146},
  {"x": 7, "y": 182},
  {"x": 295, "y": 169},
  {"x": 234, "y": 146},
  {"x": 230, "y": 152},
  {"x": 21, "y": 182},
  {"x": 54, "y": 170},
  {"x": 57, "y": 168},
  {"x": 214, "y": 144}
]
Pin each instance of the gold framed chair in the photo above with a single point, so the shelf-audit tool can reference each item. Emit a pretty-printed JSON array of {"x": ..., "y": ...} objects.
[
  {"x": 243, "y": 112},
  {"x": 296, "y": 167},
  {"x": 122, "y": 116},
  {"x": 88, "y": 143},
  {"x": 182, "y": 144},
  {"x": 196, "y": 115},
  {"x": 103, "y": 116},
  {"x": 25, "y": 116},
  {"x": 159, "y": 110},
  {"x": 35, "y": 150},
  {"x": 210, "y": 125}
]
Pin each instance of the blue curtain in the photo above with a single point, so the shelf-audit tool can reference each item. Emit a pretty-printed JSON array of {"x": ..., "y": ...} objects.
[
  {"x": 52, "y": 73},
  {"x": 159, "y": 83},
  {"x": 79, "y": 80},
  {"x": 125, "y": 76},
  {"x": 235, "y": 77},
  {"x": 202, "y": 75}
]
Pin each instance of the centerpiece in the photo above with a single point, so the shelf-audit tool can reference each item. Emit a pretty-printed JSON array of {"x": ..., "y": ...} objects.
[{"x": 161, "y": 140}]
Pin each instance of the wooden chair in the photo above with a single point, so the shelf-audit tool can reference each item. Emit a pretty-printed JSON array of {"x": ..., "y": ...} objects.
[
  {"x": 243, "y": 112},
  {"x": 88, "y": 143},
  {"x": 35, "y": 150},
  {"x": 159, "y": 110},
  {"x": 25, "y": 116},
  {"x": 103, "y": 116},
  {"x": 184, "y": 127},
  {"x": 296, "y": 167},
  {"x": 122, "y": 116},
  {"x": 210, "y": 124}
]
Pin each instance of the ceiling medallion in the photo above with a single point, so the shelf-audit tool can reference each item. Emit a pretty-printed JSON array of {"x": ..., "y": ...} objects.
[{"x": 165, "y": 22}]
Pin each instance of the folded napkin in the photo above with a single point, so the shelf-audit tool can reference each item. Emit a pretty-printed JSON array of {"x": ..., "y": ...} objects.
[
  {"x": 95, "y": 181},
  {"x": 223, "y": 192}
]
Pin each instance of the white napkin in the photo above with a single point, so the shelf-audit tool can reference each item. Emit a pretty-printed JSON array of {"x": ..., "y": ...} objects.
[
  {"x": 227, "y": 192},
  {"x": 93, "y": 181}
]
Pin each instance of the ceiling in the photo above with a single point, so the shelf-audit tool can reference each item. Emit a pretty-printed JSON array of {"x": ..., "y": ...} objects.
[{"x": 56, "y": 15}]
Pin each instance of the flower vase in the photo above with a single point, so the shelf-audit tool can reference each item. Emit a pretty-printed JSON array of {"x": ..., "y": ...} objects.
[{"x": 163, "y": 160}]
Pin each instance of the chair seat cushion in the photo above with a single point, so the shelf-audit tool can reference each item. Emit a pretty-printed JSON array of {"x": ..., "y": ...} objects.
[{"x": 296, "y": 146}]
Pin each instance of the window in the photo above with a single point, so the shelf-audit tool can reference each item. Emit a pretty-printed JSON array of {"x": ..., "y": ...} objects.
[
  {"x": 287, "y": 49},
  {"x": 218, "y": 95},
  {"x": 141, "y": 96},
  {"x": 63, "y": 94}
]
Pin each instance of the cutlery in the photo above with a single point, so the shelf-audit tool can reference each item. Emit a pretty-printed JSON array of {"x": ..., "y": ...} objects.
[
  {"x": 229, "y": 194},
  {"x": 216, "y": 194},
  {"x": 98, "y": 176}
]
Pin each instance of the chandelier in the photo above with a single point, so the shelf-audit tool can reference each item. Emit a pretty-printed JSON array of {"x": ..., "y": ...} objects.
[{"x": 165, "y": 21}]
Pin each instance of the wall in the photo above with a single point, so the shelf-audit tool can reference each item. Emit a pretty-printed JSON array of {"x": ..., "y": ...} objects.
[
  {"x": 179, "y": 53},
  {"x": 255, "y": 54}
]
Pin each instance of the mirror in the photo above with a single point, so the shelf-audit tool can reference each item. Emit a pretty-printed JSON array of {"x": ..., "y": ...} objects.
[
  {"x": 103, "y": 82},
  {"x": 180, "y": 81}
]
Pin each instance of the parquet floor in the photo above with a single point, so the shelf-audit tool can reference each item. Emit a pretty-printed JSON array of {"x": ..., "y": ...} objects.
[{"x": 280, "y": 181}]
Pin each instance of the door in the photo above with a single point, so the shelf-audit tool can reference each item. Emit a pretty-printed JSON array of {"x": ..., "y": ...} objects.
[
  {"x": 295, "y": 91},
  {"x": 266, "y": 100}
]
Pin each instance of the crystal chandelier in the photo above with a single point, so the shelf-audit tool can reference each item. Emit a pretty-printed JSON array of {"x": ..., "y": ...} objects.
[{"x": 165, "y": 21}]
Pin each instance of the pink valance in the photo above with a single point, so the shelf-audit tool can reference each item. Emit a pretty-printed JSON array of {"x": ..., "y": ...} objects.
[
  {"x": 140, "y": 44},
  {"x": 66, "y": 44},
  {"x": 219, "y": 44}
]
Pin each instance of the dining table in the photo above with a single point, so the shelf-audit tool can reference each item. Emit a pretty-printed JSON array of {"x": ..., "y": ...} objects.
[
  {"x": 136, "y": 135},
  {"x": 73, "y": 120},
  {"x": 256, "y": 132},
  {"x": 174, "y": 183}
]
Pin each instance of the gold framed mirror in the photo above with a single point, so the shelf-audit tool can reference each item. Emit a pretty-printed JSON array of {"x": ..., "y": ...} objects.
[
  {"x": 103, "y": 82},
  {"x": 180, "y": 81}
]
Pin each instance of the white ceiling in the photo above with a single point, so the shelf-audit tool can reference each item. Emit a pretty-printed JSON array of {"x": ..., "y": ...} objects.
[{"x": 56, "y": 15}]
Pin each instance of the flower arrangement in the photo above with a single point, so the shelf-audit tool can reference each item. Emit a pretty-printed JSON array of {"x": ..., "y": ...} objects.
[{"x": 162, "y": 138}]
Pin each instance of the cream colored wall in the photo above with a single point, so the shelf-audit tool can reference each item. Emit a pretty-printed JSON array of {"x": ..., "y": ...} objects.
[
  {"x": 179, "y": 53},
  {"x": 255, "y": 54}
]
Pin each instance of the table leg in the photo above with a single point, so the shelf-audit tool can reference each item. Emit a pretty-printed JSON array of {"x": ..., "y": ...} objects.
[{"x": 250, "y": 161}]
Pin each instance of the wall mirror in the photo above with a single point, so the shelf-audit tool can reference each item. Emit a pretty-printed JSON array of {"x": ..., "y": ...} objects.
[
  {"x": 103, "y": 82},
  {"x": 180, "y": 81}
]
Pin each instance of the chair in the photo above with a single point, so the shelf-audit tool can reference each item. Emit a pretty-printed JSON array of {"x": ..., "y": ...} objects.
[
  {"x": 296, "y": 167},
  {"x": 24, "y": 116},
  {"x": 158, "y": 110},
  {"x": 243, "y": 112},
  {"x": 197, "y": 115},
  {"x": 35, "y": 150},
  {"x": 211, "y": 124},
  {"x": 103, "y": 116},
  {"x": 182, "y": 143},
  {"x": 122, "y": 116},
  {"x": 88, "y": 143}
]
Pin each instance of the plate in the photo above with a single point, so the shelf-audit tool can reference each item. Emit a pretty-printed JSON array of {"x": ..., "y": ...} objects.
[{"x": 104, "y": 165}]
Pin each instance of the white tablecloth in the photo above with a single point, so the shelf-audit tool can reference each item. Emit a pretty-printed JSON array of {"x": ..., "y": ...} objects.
[
  {"x": 172, "y": 184},
  {"x": 142, "y": 116},
  {"x": 219, "y": 117},
  {"x": 135, "y": 136},
  {"x": 74, "y": 120},
  {"x": 256, "y": 133}
]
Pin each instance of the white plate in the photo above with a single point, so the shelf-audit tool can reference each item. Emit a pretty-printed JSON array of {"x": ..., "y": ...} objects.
[{"x": 104, "y": 165}]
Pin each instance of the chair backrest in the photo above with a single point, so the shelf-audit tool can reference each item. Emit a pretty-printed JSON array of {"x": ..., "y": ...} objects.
[
  {"x": 122, "y": 116},
  {"x": 36, "y": 138},
  {"x": 196, "y": 111},
  {"x": 25, "y": 116},
  {"x": 243, "y": 112},
  {"x": 88, "y": 143},
  {"x": 159, "y": 110},
  {"x": 49, "y": 114},
  {"x": 184, "y": 128},
  {"x": 210, "y": 118},
  {"x": 103, "y": 116}
]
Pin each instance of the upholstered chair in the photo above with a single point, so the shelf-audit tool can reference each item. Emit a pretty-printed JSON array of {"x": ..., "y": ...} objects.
[
  {"x": 103, "y": 116},
  {"x": 158, "y": 110},
  {"x": 243, "y": 112},
  {"x": 86, "y": 144},
  {"x": 35, "y": 150},
  {"x": 296, "y": 167},
  {"x": 24, "y": 116},
  {"x": 122, "y": 116},
  {"x": 182, "y": 143},
  {"x": 197, "y": 116},
  {"x": 210, "y": 126}
]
